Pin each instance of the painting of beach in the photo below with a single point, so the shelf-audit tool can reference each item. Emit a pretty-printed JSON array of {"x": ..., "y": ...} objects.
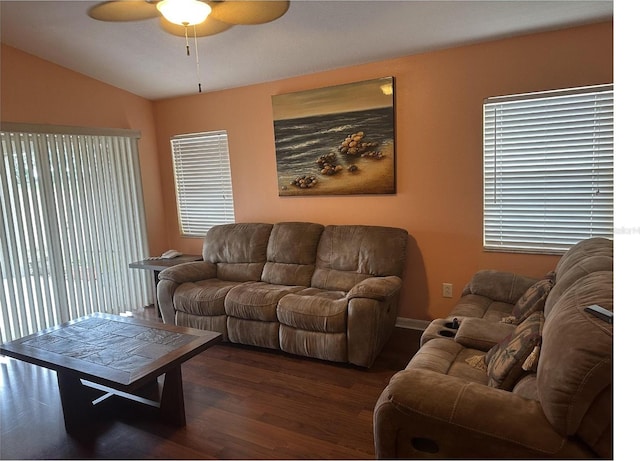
[{"x": 336, "y": 140}]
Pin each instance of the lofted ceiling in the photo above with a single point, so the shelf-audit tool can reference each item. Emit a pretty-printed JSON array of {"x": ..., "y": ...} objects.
[{"x": 312, "y": 36}]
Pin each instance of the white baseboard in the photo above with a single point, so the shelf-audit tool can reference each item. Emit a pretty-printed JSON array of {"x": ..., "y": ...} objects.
[{"x": 412, "y": 324}]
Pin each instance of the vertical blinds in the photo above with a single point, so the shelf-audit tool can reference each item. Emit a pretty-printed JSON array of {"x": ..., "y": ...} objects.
[
  {"x": 72, "y": 220},
  {"x": 548, "y": 169},
  {"x": 203, "y": 181}
]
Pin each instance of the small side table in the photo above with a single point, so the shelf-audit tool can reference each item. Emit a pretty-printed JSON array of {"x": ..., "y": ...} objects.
[{"x": 158, "y": 265}]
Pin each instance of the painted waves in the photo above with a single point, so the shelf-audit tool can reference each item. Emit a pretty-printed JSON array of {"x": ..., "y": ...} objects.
[{"x": 301, "y": 141}]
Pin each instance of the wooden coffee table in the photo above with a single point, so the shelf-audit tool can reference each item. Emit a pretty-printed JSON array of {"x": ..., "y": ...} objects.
[{"x": 101, "y": 355}]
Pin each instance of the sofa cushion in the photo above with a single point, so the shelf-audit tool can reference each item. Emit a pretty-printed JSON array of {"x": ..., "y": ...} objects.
[
  {"x": 505, "y": 360},
  {"x": 239, "y": 250},
  {"x": 531, "y": 301},
  {"x": 596, "y": 246},
  {"x": 571, "y": 274},
  {"x": 202, "y": 298},
  {"x": 587, "y": 256},
  {"x": 498, "y": 285},
  {"x": 478, "y": 306},
  {"x": 349, "y": 254},
  {"x": 314, "y": 310},
  {"x": 291, "y": 253},
  {"x": 256, "y": 300},
  {"x": 240, "y": 272},
  {"x": 450, "y": 358}
]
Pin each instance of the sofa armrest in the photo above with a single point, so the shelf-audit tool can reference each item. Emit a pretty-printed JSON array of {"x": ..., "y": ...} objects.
[
  {"x": 371, "y": 316},
  {"x": 507, "y": 287},
  {"x": 482, "y": 334},
  {"x": 423, "y": 413},
  {"x": 378, "y": 288},
  {"x": 165, "y": 291},
  {"x": 189, "y": 272}
]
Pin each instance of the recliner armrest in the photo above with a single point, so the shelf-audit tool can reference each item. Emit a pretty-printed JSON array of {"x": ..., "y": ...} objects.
[
  {"x": 378, "y": 288},
  {"x": 482, "y": 334},
  {"x": 189, "y": 272}
]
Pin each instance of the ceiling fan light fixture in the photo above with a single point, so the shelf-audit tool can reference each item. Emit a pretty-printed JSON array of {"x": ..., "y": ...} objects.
[{"x": 184, "y": 12}]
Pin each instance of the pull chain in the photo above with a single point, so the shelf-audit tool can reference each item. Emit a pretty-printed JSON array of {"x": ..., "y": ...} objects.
[
  {"x": 195, "y": 40},
  {"x": 186, "y": 36}
]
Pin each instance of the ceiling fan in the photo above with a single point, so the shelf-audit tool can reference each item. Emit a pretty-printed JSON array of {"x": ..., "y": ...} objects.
[
  {"x": 211, "y": 17},
  {"x": 192, "y": 18}
]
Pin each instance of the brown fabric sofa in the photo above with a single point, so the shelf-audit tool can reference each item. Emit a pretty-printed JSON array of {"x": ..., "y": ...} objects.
[
  {"x": 544, "y": 391},
  {"x": 329, "y": 292}
]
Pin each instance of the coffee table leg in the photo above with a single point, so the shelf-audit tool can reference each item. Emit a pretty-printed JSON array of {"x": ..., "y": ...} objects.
[
  {"x": 172, "y": 401},
  {"x": 76, "y": 400}
]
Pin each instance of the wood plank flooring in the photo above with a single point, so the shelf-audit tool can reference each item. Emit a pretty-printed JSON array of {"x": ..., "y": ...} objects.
[{"x": 241, "y": 403}]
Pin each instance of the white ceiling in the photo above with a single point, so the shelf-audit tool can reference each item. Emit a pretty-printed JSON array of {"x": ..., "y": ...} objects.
[{"x": 312, "y": 36}]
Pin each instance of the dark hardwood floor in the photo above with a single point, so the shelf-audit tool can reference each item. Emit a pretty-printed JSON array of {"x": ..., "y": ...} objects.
[{"x": 241, "y": 403}]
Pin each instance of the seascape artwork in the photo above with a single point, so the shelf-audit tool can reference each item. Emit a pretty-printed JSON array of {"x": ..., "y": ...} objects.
[{"x": 337, "y": 140}]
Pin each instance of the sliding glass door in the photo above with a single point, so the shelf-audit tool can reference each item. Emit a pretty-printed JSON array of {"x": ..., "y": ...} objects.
[{"x": 72, "y": 220}]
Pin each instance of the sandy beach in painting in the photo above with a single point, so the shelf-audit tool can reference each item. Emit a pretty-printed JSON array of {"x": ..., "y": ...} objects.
[{"x": 373, "y": 176}]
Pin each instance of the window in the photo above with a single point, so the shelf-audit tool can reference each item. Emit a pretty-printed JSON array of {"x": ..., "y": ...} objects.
[
  {"x": 548, "y": 169},
  {"x": 71, "y": 221},
  {"x": 203, "y": 181}
]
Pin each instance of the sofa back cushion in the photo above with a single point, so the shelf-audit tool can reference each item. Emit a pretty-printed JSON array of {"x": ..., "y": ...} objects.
[
  {"x": 348, "y": 254},
  {"x": 491, "y": 295},
  {"x": 239, "y": 250},
  {"x": 596, "y": 246},
  {"x": 505, "y": 287},
  {"x": 591, "y": 255},
  {"x": 585, "y": 257},
  {"x": 291, "y": 253},
  {"x": 575, "y": 368}
]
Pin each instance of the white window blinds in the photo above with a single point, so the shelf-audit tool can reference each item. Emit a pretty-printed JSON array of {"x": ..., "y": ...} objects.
[
  {"x": 548, "y": 169},
  {"x": 203, "y": 181}
]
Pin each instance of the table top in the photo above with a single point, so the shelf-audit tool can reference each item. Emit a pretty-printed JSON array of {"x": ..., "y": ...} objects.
[
  {"x": 161, "y": 264},
  {"x": 119, "y": 352}
]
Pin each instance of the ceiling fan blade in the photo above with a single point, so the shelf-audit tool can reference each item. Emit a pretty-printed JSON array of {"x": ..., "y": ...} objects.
[
  {"x": 248, "y": 11},
  {"x": 127, "y": 10},
  {"x": 209, "y": 27}
]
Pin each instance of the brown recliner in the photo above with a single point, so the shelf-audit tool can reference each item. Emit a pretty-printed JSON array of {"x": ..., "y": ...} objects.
[{"x": 548, "y": 391}]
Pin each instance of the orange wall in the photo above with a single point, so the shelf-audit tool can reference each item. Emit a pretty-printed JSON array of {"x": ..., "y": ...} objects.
[
  {"x": 438, "y": 146},
  {"x": 36, "y": 91}
]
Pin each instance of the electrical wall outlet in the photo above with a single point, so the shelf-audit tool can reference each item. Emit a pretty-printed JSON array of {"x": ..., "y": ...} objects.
[{"x": 447, "y": 290}]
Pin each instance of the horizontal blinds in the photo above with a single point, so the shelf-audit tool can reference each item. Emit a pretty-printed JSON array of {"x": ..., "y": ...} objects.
[
  {"x": 548, "y": 169},
  {"x": 203, "y": 181}
]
